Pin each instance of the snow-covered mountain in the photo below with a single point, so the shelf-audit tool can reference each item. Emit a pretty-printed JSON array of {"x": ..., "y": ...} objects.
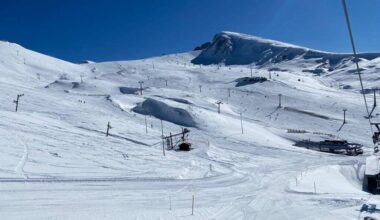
[
  {"x": 231, "y": 48},
  {"x": 57, "y": 163},
  {"x": 240, "y": 49}
]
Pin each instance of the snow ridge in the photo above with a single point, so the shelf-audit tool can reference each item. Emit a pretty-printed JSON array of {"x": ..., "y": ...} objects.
[{"x": 240, "y": 49}]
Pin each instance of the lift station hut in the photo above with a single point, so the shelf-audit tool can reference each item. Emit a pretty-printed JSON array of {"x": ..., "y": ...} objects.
[{"x": 371, "y": 181}]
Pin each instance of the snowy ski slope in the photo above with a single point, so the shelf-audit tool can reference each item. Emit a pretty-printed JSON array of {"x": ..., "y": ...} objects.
[{"x": 57, "y": 163}]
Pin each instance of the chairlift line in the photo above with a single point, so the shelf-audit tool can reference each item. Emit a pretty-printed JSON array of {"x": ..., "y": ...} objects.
[
  {"x": 356, "y": 60},
  {"x": 355, "y": 54}
]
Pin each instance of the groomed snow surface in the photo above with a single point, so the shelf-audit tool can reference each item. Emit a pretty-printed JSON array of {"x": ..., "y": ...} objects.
[{"x": 57, "y": 163}]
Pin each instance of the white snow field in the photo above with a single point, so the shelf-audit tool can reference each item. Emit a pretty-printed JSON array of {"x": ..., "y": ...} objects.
[{"x": 57, "y": 163}]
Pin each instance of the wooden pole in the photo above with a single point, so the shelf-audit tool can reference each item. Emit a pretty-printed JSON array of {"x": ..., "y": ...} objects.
[
  {"x": 162, "y": 136},
  {"x": 170, "y": 203},
  {"x": 279, "y": 100},
  {"x": 218, "y": 103},
  {"x": 163, "y": 147},
  {"x": 229, "y": 92},
  {"x": 17, "y": 104},
  {"x": 162, "y": 128},
  {"x": 192, "y": 206},
  {"x": 241, "y": 122},
  {"x": 141, "y": 89},
  {"x": 374, "y": 97},
  {"x": 108, "y": 129},
  {"x": 344, "y": 116},
  {"x": 146, "y": 126},
  {"x": 17, "y": 100},
  {"x": 251, "y": 69},
  {"x": 171, "y": 141},
  {"x": 200, "y": 88}
]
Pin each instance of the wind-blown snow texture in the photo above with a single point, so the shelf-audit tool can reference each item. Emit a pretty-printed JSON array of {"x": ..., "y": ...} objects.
[{"x": 57, "y": 163}]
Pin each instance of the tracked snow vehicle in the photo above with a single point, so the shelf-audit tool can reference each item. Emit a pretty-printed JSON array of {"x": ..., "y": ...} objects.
[{"x": 332, "y": 146}]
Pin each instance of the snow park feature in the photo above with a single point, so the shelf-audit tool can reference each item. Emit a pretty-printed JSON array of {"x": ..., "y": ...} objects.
[{"x": 99, "y": 149}]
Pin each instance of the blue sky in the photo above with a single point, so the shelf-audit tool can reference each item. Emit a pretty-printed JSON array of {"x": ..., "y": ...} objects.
[{"x": 102, "y": 30}]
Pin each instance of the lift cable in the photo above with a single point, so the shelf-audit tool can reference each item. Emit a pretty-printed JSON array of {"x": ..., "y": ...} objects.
[{"x": 356, "y": 58}]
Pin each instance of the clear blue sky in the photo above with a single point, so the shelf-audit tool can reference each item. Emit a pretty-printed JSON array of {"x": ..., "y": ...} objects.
[{"x": 102, "y": 30}]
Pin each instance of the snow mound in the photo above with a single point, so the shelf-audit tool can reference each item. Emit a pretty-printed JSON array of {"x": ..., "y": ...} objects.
[
  {"x": 240, "y": 49},
  {"x": 325, "y": 178},
  {"x": 165, "y": 112}
]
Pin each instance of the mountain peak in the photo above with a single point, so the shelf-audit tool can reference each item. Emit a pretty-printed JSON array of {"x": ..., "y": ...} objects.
[
  {"x": 236, "y": 48},
  {"x": 233, "y": 48},
  {"x": 255, "y": 39}
]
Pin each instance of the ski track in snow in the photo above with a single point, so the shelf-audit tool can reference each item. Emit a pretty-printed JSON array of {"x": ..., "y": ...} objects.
[{"x": 21, "y": 164}]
